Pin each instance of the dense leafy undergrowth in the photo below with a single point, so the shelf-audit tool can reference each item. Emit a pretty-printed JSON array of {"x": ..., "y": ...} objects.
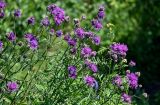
[{"x": 49, "y": 65}]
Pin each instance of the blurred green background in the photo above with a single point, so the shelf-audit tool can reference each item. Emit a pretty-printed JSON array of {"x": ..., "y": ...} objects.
[{"x": 136, "y": 23}]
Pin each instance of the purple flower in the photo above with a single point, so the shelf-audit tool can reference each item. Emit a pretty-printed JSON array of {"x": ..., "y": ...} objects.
[
  {"x": 79, "y": 32},
  {"x": 119, "y": 49},
  {"x": 12, "y": 86},
  {"x": 72, "y": 42},
  {"x": 96, "y": 40},
  {"x": 132, "y": 63},
  {"x": 11, "y": 36},
  {"x": 31, "y": 20},
  {"x": 91, "y": 66},
  {"x": 90, "y": 81},
  {"x": 33, "y": 44},
  {"x": 101, "y": 12},
  {"x": 97, "y": 24},
  {"x": 132, "y": 80},
  {"x": 32, "y": 41},
  {"x": 1, "y": 45},
  {"x": 86, "y": 52},
  {"x": 28, "y": 36},
  {"x": 59, "y": 33},
  {"x": 17, "y": 13},
  {"x": 45, "y": 22},
  {"x": 117, "y": 80},
  {"x": 2, "y": 5},
  {"x": 126, "y": 98},
  {"x": 67, "y": 37},
  {"x": 51, "y": 7},
  {"x": 59, "y": 14},
  {"x": 1, "y": 14},
  {"x": 72, "y": 71},
  {"x": 88, "y": 34}
]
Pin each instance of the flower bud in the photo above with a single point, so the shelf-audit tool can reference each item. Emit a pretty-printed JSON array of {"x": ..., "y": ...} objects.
[
  {"x": 115, "y": 57},
  {"x": 83, "y": 17},
  {"x": 128, "y": 71},
  {"x": 20, "y": 43},
  {"x": 138, "y": 74},
  {"x": 51, "y": 31},
  {"x": 145, "y": 95},
  {"x": 67, "y": 18},
  {"x": 122, "y": 87},
  {"x": 77, "y": 22},
  {"x": 2, "y": 14},
  {"x": 140, "y": 85},
  {"x": 124, "y": 60},
  {"x": 93, "y": 53}
]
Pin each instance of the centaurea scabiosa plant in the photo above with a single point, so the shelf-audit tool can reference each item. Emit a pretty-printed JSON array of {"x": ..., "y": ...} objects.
[{"x": 45, "y": 64}]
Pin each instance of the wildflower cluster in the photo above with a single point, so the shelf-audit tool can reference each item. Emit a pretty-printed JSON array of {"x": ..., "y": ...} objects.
[
  {"x": 53, "y": 66},
  {"x": 2, "y": 7}
]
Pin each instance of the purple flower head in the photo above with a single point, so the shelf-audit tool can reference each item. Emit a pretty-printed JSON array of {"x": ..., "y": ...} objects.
[
  {"x": 96, "y": 40},
  {"x": 32, "y": 41},
  {"x": 79, "y": 32},
  {"x": 12, "y": 86},
  {"x": 87, "y": 62},
  {"x": 86, "y": 52},
  {"x": 72, "y": 71},
  {"x": 1, "y": 45},
  {"x": 33, "y": 44},
  {"x": 126, "y": 98},
  {"x": 88, "y": 34},
  {"x": 45, "y": 22},
  {"x": 1, "y": 14},
  {"x": 119, "y": 49},
  {"x": 92, "y": 66},
  {"x": 52, "y": 31},
  {"x": 132, "y": 80},
  {"x": 59, "y": 33},
  {"x": 28, "y": 36},
  {"x": 97, "y": 24},
  {"x": 58, "y": 13},
  {"x": 101, "y": 12},
  {"x": 31, "y": 20},
  {"x": 67, "y": 37},
  {"x": 117, "y": 80},
  {"x": 2, "y": 5},
  {"x": 17, "y": 13},
  {"x": 132, "y": 63},
  {"x": 72, "y": 42},
  {"x": 51, "y": 7},
  {"x": 90, "y": 81},
  {"x": 11, "y": 36}
]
